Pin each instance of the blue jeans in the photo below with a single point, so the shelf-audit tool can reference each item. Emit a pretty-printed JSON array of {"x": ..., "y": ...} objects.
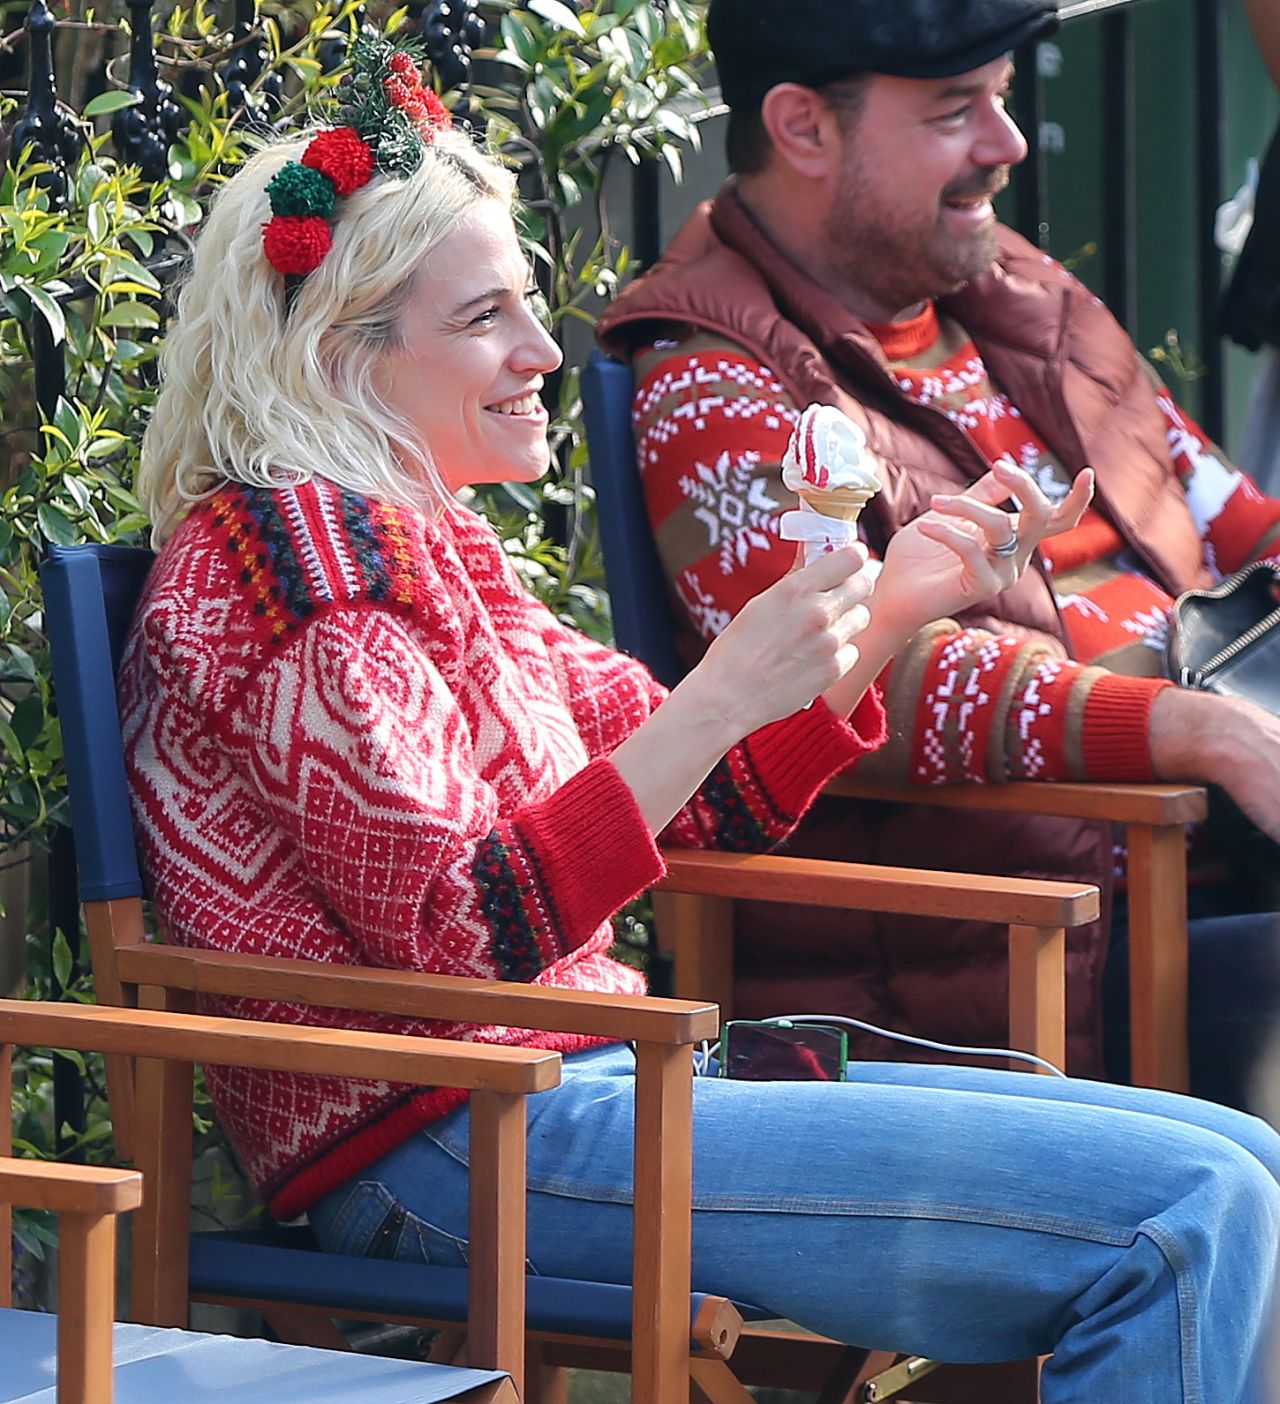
[{"x": 965, "y": 1214}]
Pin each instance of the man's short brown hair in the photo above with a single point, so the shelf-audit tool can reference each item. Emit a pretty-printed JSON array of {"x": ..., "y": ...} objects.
[{"x": 747, "y": 143}]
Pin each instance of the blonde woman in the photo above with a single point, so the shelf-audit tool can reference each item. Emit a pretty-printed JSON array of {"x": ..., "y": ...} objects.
[{"x": 353, "y": 737}]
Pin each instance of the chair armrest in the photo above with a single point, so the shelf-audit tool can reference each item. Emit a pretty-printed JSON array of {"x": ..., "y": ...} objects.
[
  {"x": 868, "y": 887},
  {"x": 499, "y": 1079},
  {"x": 69, "y": 1189},
  {"x": 1121, "y": 804},
  {"x": 412, "y": 994},
  {"x": 279, "y": 1047}
]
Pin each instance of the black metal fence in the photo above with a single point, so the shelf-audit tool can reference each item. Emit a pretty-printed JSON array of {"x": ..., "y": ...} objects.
[{"x": 143, "y": 132}]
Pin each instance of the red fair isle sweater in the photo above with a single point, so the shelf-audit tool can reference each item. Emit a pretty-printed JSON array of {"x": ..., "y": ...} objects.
[
  {"x": 353, "y": 737},
  {"x": 712, "y": 424}
]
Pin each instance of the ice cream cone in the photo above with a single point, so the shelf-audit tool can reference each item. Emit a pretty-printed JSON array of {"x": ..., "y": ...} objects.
[
  {"x": 845, "y": 504},
  {"x": 828, "y": 465}
]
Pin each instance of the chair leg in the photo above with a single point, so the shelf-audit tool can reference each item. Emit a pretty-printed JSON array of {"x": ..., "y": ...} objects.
[
  {"x": 544, "y": 1383},
  {"x": 1037, "y": 993},
  {"x": 853, "y": 1370},
  {"x": 449, "y": 1347},
  {"x": 715, "y": 1383},
  {"x": 1158, "y": 955}
]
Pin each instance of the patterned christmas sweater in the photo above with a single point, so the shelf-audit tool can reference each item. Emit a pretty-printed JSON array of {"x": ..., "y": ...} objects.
[
  {"x": 353, "y": 737},
  {"x": 712, "y": 424}
]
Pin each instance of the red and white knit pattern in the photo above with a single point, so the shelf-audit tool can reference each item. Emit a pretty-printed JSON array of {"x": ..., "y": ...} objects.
[
  {"x": 353, "y": 737},
  {"x": 712, "y": 425}
]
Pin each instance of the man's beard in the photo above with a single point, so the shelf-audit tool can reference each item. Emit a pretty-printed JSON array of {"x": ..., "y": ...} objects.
[{"x": 899, "y": 265}]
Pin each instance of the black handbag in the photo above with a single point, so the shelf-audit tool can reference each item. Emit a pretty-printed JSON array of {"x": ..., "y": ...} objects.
[{"x": 1227, "y": 640}]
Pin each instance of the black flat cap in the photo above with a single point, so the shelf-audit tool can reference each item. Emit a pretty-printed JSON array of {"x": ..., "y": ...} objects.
[{"x": 760, "y": 43}]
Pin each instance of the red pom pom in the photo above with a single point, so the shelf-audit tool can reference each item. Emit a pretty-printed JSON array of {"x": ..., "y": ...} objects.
[
  {"x": 402, "y": 64},
  {"x": 398, "y": 91},
  {"x": 439, "y": 118},
  {"x": 296, "y": 243},
  {"x": 343, "y": 156}
]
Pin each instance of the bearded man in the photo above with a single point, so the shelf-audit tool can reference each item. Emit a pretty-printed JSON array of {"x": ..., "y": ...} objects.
[{"x": 854, "y": 259}]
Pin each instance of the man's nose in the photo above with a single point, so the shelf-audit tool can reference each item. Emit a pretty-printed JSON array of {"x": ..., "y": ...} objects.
[{"x": 1001, "y": 142}]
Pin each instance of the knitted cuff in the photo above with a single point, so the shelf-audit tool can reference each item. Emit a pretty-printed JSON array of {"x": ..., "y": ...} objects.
[
  {"x": 796, "y": 756},
  {"x": 1115, "y": 735},
  {"x": 591, "y": 849}
]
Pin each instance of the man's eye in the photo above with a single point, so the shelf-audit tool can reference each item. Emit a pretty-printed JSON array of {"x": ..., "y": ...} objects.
[{"x": 485, "y": 318}]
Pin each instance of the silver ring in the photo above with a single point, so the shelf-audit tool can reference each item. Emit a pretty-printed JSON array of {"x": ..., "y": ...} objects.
[{"x": 1010, "y": 547}]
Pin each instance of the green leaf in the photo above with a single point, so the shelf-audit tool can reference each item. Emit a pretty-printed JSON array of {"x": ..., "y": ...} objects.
[
  {"x": 570, "y": 190},
  {"x": 28, "y": 720},
  {"x": 559, "y": 14},
  {"x": 109, "y": 102},
  {"x": 9, "y": 740},
  {"x": 90, "y": 180},
  {"x": 50, "y": 311},
  {"x": 68, "y": 422},
  {"x": 130, "y": 314},
  {"x": 23, "y": 663},
  {"x": 649, "y": 24},
  {"x": 143, "y": 239},
  {"x": 97, "y": 223},
  {"x": 62, "y": 961},
  {"x": 55, "y": 525},
  {"x": 121, "y": 265}
]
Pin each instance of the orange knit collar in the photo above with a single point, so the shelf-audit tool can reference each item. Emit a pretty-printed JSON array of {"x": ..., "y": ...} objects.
[{"x": 900, "y": 341}]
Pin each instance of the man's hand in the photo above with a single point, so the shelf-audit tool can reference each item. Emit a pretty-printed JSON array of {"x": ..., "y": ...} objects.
[
  {"x": 950, "y": 558},
  {"x": 1220, "y": 741}
]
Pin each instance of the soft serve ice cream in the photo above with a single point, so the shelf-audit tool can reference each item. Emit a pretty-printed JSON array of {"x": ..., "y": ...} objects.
[{"x": 830, "y": 468}]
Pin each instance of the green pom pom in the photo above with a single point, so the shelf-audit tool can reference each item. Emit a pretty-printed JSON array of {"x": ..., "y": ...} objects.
[{"x": 296, "y": 189}]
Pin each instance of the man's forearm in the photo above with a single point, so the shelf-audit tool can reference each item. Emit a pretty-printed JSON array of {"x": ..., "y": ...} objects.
[{"x": 1223, "y": 741}]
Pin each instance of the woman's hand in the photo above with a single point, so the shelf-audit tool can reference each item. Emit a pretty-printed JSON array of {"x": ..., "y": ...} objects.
[
  {"x": 953, "y": 557},
  {"x": 785, "y": 647},
  {"x": 791, "y": 642}
]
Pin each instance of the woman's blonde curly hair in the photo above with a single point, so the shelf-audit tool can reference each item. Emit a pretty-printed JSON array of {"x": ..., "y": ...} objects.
[{"x": 257, "y": 392}]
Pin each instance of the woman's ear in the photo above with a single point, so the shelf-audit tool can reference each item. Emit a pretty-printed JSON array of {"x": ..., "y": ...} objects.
[{"x": 803, "y": 128}]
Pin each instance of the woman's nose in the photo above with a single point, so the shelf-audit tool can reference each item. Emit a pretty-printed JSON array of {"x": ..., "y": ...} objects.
[{"x": 537, "y": 350}]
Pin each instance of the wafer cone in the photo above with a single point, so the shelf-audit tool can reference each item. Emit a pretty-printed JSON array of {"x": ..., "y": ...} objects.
[{"x": 844, "y": 503}]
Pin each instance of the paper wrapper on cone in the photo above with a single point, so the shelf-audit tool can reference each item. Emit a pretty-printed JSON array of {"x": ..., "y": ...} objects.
[{"x": 830, "y": 468}]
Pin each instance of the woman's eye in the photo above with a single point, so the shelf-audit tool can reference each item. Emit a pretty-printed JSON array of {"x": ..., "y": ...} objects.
[
  {"x": 539, "y": 306},
  {"x": 485, "y": 318}
]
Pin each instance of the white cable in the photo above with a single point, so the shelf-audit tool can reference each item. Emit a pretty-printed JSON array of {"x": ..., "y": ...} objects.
[{"x": 962, "y": 1049}]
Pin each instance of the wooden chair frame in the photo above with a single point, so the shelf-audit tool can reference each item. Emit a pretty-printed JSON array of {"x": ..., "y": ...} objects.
[
  {"x": 499, "y": 1080},
  {"x": 703, "y": 886},
  {"x": 87, "y": 1200},
  {"x": 1155, "y": 819}
]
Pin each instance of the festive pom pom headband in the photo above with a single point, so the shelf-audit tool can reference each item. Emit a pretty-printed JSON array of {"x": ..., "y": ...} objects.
[{"x": 386, "y": 123}]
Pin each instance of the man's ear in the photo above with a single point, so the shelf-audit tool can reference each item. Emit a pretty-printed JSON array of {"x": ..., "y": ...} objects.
[{"x": 803, "y": 128}]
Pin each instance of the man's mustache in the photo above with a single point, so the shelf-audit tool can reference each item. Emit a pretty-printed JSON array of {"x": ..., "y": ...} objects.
[{"x": 988, "y": 183}]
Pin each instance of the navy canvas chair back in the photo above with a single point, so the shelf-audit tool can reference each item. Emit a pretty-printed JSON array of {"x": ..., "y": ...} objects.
[
  {"x": 90, "y": 593},
  {"x": 643, "y": 622}
]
